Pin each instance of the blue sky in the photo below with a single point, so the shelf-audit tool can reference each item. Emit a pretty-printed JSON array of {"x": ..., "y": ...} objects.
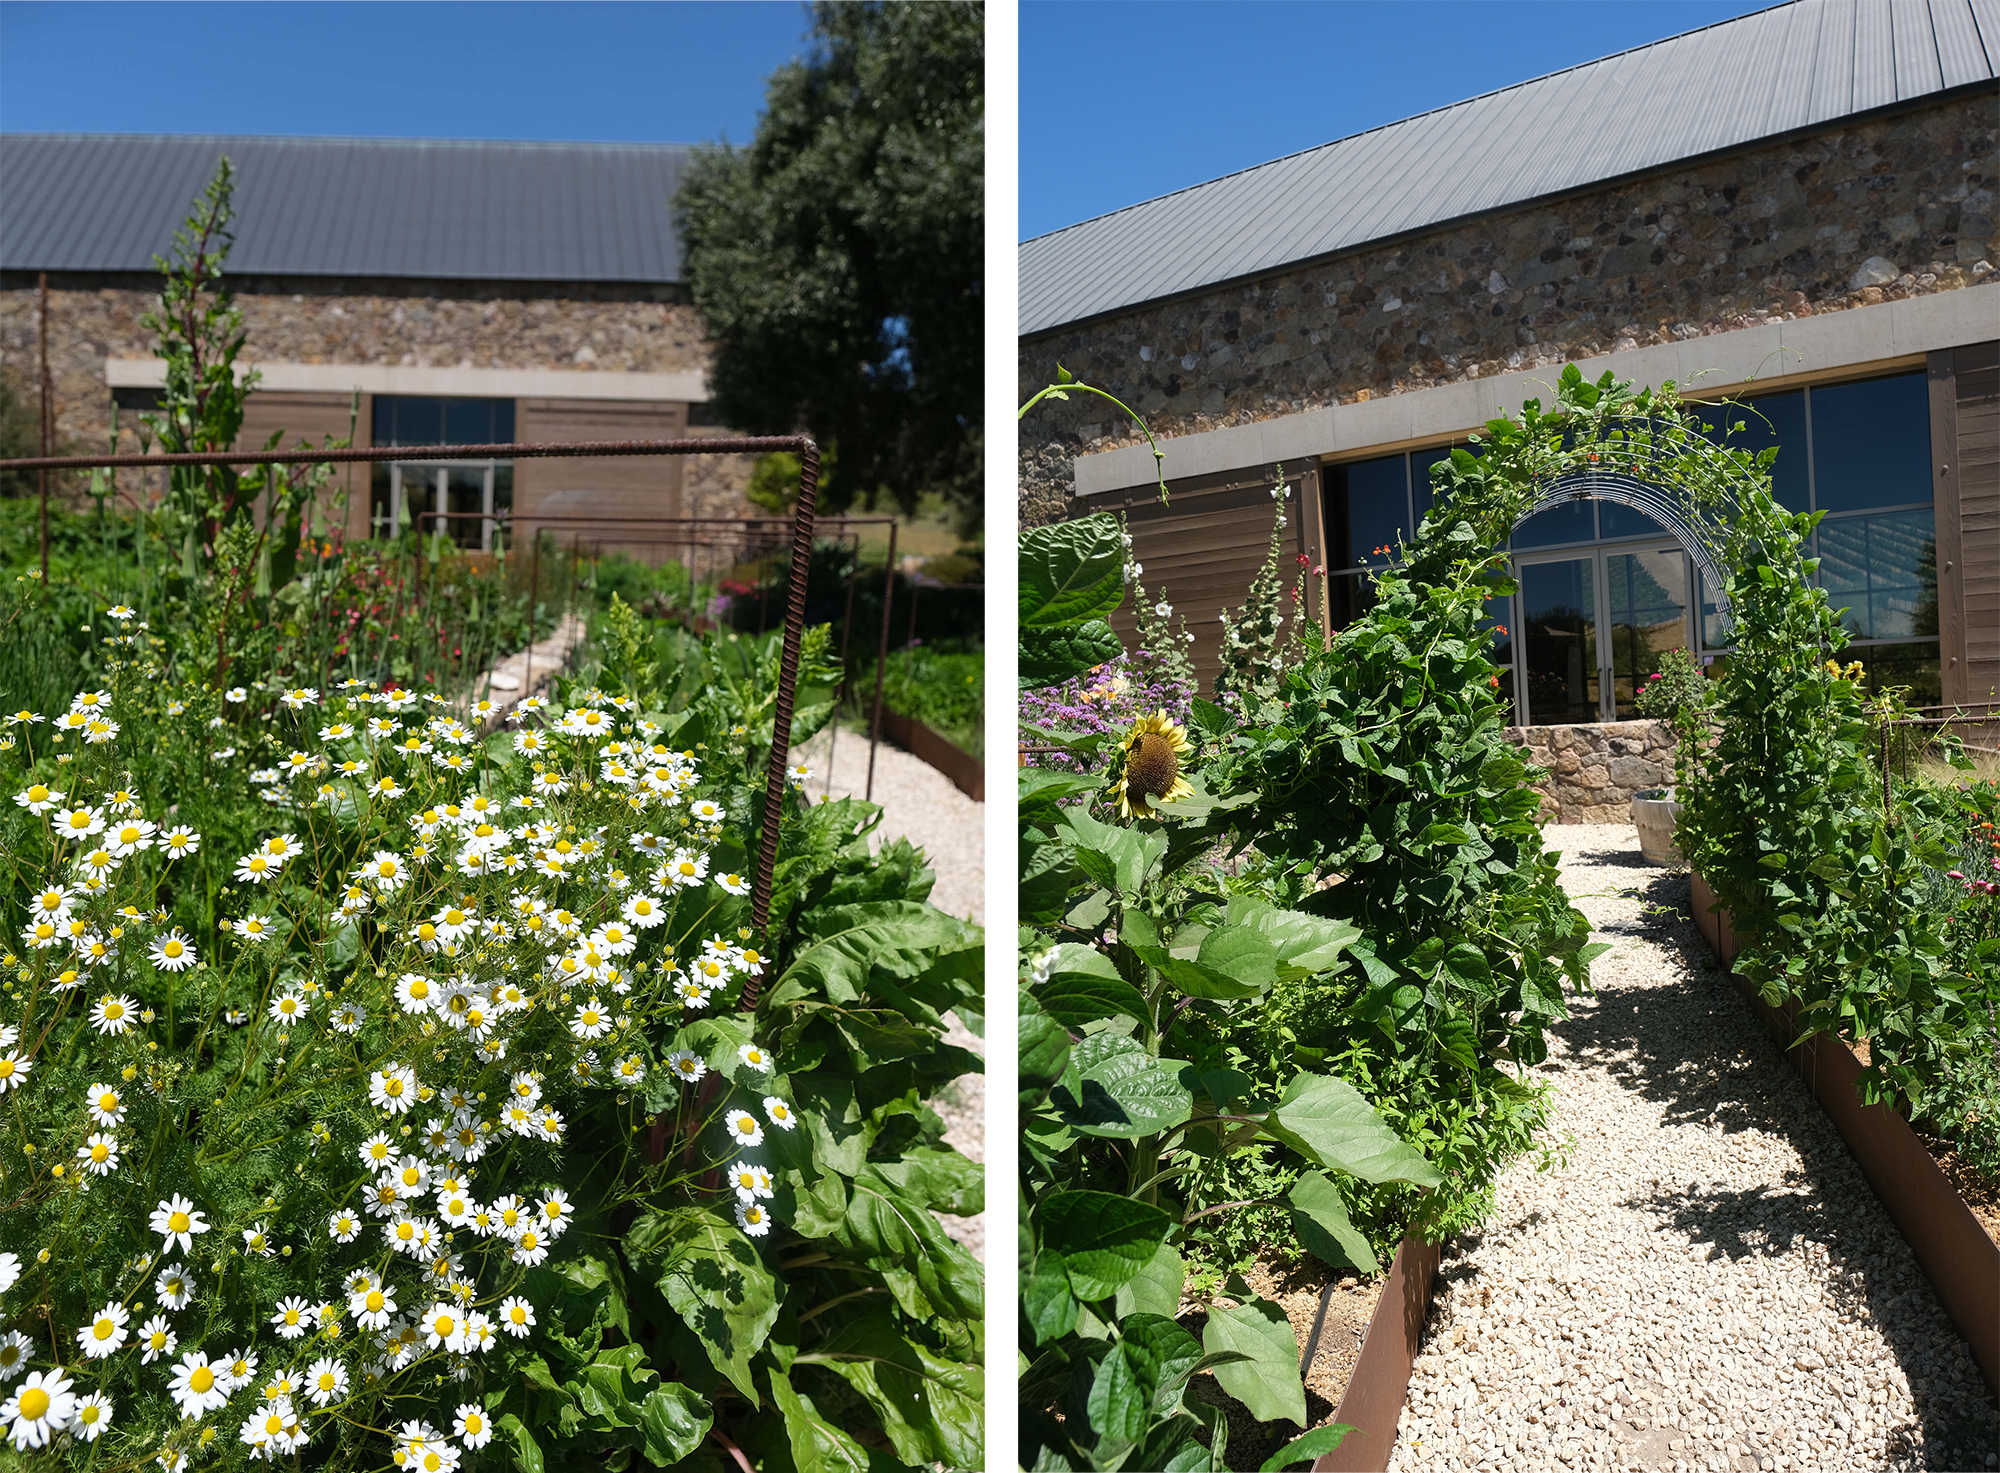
[
  {"x": 632, "y": 72},
  {"x": 1125, "y": 100}
]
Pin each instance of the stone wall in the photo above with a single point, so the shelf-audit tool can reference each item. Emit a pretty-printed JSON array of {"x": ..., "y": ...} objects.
[
  {"x": 581, "y": 328},
  {"x": 1595, "y": 769},
  {"x": 1883, "y": 209}
]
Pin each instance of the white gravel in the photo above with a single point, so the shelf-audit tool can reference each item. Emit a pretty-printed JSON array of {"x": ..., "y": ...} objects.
[
  {"x": 921, "y": 804},
  {"x": 1709, "y": 1283}
]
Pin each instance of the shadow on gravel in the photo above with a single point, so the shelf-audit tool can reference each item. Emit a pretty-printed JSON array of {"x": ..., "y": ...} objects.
[{"x": 1693, "y": 1047}]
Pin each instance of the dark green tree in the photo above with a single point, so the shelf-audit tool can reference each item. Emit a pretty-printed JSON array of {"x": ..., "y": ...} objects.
[{"x": 838, "y": 259}]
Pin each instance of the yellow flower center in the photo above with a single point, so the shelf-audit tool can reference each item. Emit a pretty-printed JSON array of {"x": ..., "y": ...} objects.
[
  {"x": 100, "y": 1153},
  {"x": 34, "y": 1404},
  {"x": 172, "y": 950},
  {"x": 105, "y": 1328},
  {"x": 178, "y": 1221},
  {"x": 203, "y": 1378},
  {"x": 375, "y": 1301}
]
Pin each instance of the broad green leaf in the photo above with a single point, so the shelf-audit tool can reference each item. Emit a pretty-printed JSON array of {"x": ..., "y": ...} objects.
[
  {"x": 1327, "y": 1120},
  {"x": 1314, "y": 1445},
  {"x": 1051, "y": 656},
  {"x": 713, "y": 1277},
  {"x": 817, "y": 1445},
  {"x": 1306, "y": 944},
  {"x": 1319, "y": 1217},
  {"x": 1233, "y": 962},
  {"x": 901, "y": 937},
  {"x": 527, "y": 1451},
  {"x": 1267, "y": 1381},
  {"x": 1084, "y": 985},
  {"x": 673, "y": 1420},
  {"x": 1070, "y": 572},
  {"x": 938, "y": 1178},
  {"x": 1129, "y": 854},
  {"x": 1046, "y": 1298},
  {"x": 1167, "y": 1355},
  {"x": 1119, "y": 1398},
  {"x": 1113, "y": 1087},
  {"x": 1156, "y": 1288},
  {"x": 1106, "y": 1240},
  {"x": 1043, "y": 1046},
  {"x": 931, "y": 1276},
  {"x": 929, "y": 1406}
]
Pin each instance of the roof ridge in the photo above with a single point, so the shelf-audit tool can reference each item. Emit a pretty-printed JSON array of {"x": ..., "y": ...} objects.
[{"x": 303, "y": 138}]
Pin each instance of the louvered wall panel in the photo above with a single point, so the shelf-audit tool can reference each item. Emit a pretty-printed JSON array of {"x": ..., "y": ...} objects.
[
  {"x": 546, "y": 491},
  {"x": 1978, "y": 468}
]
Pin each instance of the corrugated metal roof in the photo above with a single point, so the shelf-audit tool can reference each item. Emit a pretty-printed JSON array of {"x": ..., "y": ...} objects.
[
  {"x": 478, "y": 211},
  {"x": 1798, "y": 65}
]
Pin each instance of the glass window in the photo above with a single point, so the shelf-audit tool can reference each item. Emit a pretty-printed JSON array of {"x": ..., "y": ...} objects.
[
  {"x": 1614, "y": 520},
  {"x": 408, "y": 419},
  {"x": 1883, "y": 570},
  {"x": 1421, "y": 462},
  {"x": 1368, "y": 506},
  {"x": 1773, "y": 419},
  {"x": 1571, "y": 521},
  {"x": 1913, "y": 666},
  {"x": 1871, "y": 444},
  {"x": 1348, "y": 597}
]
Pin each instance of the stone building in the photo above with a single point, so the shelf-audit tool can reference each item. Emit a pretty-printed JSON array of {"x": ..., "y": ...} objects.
[
  {"x": 424, "y": 292},
  {"x": 1795, "y": 208}
]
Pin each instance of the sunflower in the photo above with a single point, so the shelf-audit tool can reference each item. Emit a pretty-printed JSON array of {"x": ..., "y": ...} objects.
[{"x": 1152, "y": 766}]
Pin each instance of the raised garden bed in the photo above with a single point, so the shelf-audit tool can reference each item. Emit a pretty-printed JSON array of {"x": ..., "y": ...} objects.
[
  {"x": 1958, "y": 1252},
  {"x": 967, "y": 772},
  {"x": 1358, "y": 1339}
]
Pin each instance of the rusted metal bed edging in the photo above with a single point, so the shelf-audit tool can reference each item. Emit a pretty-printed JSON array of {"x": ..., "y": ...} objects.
[{"x": 802, "y": 446}]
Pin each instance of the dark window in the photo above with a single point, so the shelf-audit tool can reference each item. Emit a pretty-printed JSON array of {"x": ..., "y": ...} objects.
[
  {"x": 700, "y": 413},
  {"x": 1871, "y": 444},
  {"x": 1421, "y": 493},
  {"x": 1774, "y": 419},
  {"x": 1348, "y": 597},
  {"x": 1572, "y": 521},
  {"x": 407, "y": 419},
  {"x": 1883, "y": 570},
  {"x": 1614, "y": 520},
  {"x": 1368, "y": 507}
]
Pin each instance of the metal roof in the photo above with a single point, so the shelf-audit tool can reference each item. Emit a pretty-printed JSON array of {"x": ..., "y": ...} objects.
[
  {"x": 479, "y": 211},
  {"x": 1796, "y": 66}
]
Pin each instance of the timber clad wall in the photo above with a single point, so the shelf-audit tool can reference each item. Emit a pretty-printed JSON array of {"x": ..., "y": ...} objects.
[
  {"x": 1195, "y": 550},
  {"x": 1976, "y": 470},
  {"x": 637, "y": 487}
]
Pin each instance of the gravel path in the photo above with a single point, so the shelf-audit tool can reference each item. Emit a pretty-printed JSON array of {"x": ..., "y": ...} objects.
[
  {"x": 1709, "y": 1283},
  {"x": 921, "y": 804}
]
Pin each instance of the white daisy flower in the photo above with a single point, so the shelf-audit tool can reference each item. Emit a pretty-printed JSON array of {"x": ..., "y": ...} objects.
[
  {"x": 530, "y": 1248},
  {"x": 156, "y": 1340},
  {"x": 393, "y": 1089},
  {"x": 99, "y": 1154},
  {"x": 744, "y": 1129},
  {"x": 517, "y": 1316},
  {"x": 325, "y": 1381},
  {"x": 687, "y": 1066},
  {"x": 705, "y": 810},
  {"x": 378, "y": 1152},
  {"x": 105, "y": 1334},
  {"x": 348, "y": 1018},
  {"x": 257, "y": 1241},
  {"x": 174, "y": 1286},
  {"x": 178, "y": 841},
  {"x": 470, "y": 1425},
  {"x": 41, "y": 1408},
  {"x": 172, "y": 952},
  {"x": 756, "y": 1057},
  {"x": 37, "y": 797},
  {"x": 10, "y": 1263},
  {"x": 753, "y": 1219},
  {"x": 591, "y": 1020},
  {"x": 555, "y": 1212},
  {"x": 112, "y": 1014},
  {"x": 750, "y": 1181},
  {"x": 373, "y": 1307},
  {"x": 176, "y": 1220},
  {"x": 196, "y": 1387},
  {"x": 104, "y": 1104},
  {"x": 239, "y": 1369},
  {"x": 91, "y": 1417},
  {"x": 79, "y": 823},
  {"x": 444, "y": 1328},
  {"x": 779, "y": 1113},
  {"x": 734, "y": 883},
  {"x": 385, "y": 871},
  {"x": 130, "y": 835},
  {"x": 343, "y": 1227}
]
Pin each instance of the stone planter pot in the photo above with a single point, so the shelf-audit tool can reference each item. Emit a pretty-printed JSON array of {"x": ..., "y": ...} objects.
[{"x": 1654, "y": 814}]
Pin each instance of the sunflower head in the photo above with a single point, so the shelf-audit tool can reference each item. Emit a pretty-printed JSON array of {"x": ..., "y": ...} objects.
[{"x": 1151, "y": 769}]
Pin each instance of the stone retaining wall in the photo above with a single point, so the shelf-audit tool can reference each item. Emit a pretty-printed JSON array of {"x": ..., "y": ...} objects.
[{"x": 1594, "y": 770}]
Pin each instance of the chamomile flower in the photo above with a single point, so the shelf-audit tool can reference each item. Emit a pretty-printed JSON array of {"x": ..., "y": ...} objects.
[
  {"x": 325, "y": 1381},
  {"x": 105, "y": 1334},
  {"x": 393, "y": 1089},
  {"x": 756, "y": 1057},
  {"x": 378, "y": 1152},
  {"x": 470, "y": 1425},
  {"x": 113, "y": 1014},
  {"x": 343, "y": 1226},
  {"x": 644, "y": 911},
  {"x": 753, "y": 1219},
  {"x": 105, "y": 1105},
  {"x": 51, "y": 904},
  {"x": 257, "y": 1241},
  {"x": 373, "y": 1307},
  {"x": 744, "y": 1129},
  {"x": 685, "y": 870},
  {"x": 176, "y": 1220},
  {"x": 779, "y": 1113},
  {"x": 257, "y": 867},
  {"x": 239, "y": 1369},
  {"x": 348, "y": 1018},
  {"x": 631, "y": 1069},
  {"x": 172, "y": 952},
  {"x": 156, "y": 1340},
  {"x": 98, "y": 1154},
  {"x": 174, "y": 1286},
  {"x": 196, "y": 1387},
  {"x": 79, "y": 823},
  {"x": 704, "y": 810},
  {"x": 444, "y": 1328},
  {"x": 178, "y": 841},
  {"x": 750, "y": 1181},
  {"x": 10, "y": 1263},
  {"x": 686, "y": 1065},
  {"x": 530, "y": 1247},
  {"x": 130, "y": 835},
  {"x": 91, "y": 1417},
  {"x": 36, "y": 797},
  {"x": 385, "y": 871},
  {"x": 555, "y": 1213},
  {"x": 252, "y": 928},
  {"x": 591, "y": 1020},
  {"x": 734, "y": 883},
  {"x": 292, "y": 1318},
  {"x": 41, "y": 1408}
]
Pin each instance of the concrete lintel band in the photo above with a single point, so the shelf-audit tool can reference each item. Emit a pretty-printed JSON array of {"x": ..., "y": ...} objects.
[
  {"x": 1773, "y": 353},
  {"x": 468, "y": 383}
]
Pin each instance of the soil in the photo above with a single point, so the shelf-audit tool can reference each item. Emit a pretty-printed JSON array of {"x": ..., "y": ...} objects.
[
  {"x": 1296, "y": 1287},
  {"x": 1980, "y": 1194}
]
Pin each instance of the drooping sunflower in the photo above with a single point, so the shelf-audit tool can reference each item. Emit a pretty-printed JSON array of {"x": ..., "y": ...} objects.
[{"x": 1151, "y": 770}]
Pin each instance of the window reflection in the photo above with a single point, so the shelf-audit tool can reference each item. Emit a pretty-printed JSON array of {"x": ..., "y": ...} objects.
[{"x": 1871, "y": 444}]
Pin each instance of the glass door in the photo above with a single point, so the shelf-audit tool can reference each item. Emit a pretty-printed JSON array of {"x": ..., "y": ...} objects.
[
  {"x": 1593, "y": 627},
  {"x": 468, "y": 492},
  {"x": 1561, "y": 677}
]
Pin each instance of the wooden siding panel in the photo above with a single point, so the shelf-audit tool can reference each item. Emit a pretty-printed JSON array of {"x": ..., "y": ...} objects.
[
  {"x": 312, "y": 417},
  {"x": 1978, "y": 474},
  {"x": 547, "y": 491},
  {"x": 1201, "y": 550},
  {"x": 1949, "y": 551}
]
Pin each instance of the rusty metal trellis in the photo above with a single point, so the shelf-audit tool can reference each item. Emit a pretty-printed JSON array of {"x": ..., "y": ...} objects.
[{"x": 802, "y": 446}]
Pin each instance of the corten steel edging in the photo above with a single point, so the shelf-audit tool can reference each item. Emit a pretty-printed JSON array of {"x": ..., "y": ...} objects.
[
  {"x": 1372, "y": 1403},
  {"x": 1956, "y": 1255},
  {"x": 967, "y": 772},
  {"x": 802, "y": 537}
]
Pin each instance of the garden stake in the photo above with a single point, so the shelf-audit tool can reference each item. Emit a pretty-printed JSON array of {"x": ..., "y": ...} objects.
[
  {"x": 881, "y": 662},
  {"x": 43, "y": 476}
]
